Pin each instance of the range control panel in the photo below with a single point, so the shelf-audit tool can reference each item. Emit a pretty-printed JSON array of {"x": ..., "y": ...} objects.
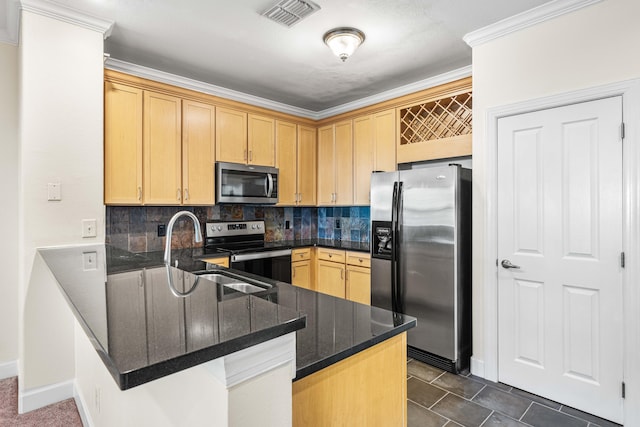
[{"x": 236, "y": 228}]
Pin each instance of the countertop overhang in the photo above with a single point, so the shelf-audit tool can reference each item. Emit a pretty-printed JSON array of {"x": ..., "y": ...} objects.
[{"x": 210, "y": 323}]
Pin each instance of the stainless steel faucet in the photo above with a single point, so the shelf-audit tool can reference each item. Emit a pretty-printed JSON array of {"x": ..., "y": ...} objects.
[{"x": 196, "y": 225}]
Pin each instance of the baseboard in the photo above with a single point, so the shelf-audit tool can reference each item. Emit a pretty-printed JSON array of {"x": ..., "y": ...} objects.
[
  {"x": 8, "y": 369},
  {"x": 85, "y": 416},
  {"x": 477, "y": 367},
  {"x": 35, "y": 398}
]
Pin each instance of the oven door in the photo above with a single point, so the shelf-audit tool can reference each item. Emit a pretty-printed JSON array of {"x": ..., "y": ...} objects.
[{"x": 275, "y": 264}]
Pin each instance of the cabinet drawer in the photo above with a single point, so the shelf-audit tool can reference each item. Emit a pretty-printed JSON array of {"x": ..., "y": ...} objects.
[
  {"x": 221, "y": 261},
  {"x": 335, "y": 255},
  {"x": 300, "y": 254},
  {"x": 361, "y": 259}
]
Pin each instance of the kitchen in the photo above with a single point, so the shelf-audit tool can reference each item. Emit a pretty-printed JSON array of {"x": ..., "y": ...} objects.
[{"x": 548, "y": 60}]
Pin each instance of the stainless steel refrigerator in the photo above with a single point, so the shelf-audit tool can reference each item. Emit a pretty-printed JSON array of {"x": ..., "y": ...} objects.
[{"x": 421, "y": 258}]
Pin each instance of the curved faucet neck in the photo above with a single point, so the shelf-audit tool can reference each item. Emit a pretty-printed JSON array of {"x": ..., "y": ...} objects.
[{"x": 172, "y": 221}]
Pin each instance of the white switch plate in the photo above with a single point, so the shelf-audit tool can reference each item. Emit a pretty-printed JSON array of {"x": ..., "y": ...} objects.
[
  {"x": 89, "y": 261},
  {"x": 89, "y": 228},
  {"x": 53, "y": 191}
]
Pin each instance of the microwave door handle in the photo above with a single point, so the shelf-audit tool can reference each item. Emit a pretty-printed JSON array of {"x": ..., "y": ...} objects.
[{"x": 269, "y": 185}]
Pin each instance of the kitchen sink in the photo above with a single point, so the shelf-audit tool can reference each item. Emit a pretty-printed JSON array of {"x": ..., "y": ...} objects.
[{"x": 245, "y": 287}]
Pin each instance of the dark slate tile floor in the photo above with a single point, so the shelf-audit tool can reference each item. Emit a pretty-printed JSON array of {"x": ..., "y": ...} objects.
[{"x": 437, "y": 398}]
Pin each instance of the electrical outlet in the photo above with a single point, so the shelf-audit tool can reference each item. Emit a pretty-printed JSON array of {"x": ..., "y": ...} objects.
[
  {"x": 337, "y": 224},
  {"x": 287, "y": 225},
  {"x": 54, "y": 192},
  {"x": 89, "y": 228},
  {"x": 162, "y": 230},
  {"x": 89, "y": 261}
]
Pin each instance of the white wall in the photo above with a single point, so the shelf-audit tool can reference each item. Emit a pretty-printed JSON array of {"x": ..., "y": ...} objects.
[
  {"x": 60, "y": 73},
  {"x": 9, "y": 210},
  {"x": 590, "y": 47}
]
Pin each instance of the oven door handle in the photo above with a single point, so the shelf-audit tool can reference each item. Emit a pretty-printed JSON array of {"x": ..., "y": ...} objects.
[{"x": 260, "y": 255}]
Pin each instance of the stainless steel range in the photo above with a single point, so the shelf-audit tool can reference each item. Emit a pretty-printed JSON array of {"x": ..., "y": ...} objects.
[{"x": 244, "y": 241}]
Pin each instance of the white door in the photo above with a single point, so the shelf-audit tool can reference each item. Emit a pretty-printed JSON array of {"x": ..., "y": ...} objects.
[{"x": 560, "y": 222}]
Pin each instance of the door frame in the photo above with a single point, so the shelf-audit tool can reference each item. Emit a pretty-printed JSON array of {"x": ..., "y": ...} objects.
[{"x": 630, "y": 92}]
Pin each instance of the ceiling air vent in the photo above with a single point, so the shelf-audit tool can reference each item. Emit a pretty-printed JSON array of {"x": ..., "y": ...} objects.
[{"x": 290, "y": 12}]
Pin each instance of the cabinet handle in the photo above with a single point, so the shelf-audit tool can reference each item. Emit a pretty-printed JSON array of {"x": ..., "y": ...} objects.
[
  {"x": 250, "y": 155},
  {"x": 330, "y": 255},
  {"x": 139, "y": 193},
  {"x": 342, "y": 274},
  {"x": 179, "y": 193},
  {"x": 244, "y": 155},
  {"x": 299, "y": 197},
  {"x": 186, "y": 194}
]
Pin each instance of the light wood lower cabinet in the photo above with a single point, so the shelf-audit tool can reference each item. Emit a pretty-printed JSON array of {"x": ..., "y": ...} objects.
[
  {"x": 358, "y": 284},
  {"x": 302, "y": 268},
  {"x": 344, "y": 274},
  {"x": 331, "y": 276},
  {"x": 366, "y": 389},
  {"x": 221, "y": 261}
]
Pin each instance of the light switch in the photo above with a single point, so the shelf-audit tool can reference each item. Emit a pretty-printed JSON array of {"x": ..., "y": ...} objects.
[
  {"x": 89, "y": 228},
  {"x": 89, "y": 261},
  {"x": 53, "y": 191}
]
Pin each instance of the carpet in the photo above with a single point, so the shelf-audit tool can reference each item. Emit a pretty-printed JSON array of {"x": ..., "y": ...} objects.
[{"x": 61, "y": 414}]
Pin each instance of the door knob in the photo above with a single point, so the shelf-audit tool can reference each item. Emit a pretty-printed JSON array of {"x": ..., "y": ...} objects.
[{"x": 507, "y": 264}]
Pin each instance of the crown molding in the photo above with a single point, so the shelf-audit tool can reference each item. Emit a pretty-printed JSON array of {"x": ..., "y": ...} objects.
[
  {"x": 410, "y": 88},
  {"x": 66, "y": 14},
  {"x": 525, "y": 19},
  {"x": 187, "y": 83},
  {"x": 222, "y": 92}
]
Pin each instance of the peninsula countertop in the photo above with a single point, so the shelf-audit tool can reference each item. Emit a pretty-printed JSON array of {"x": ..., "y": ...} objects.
[{"x": 143, "y": 332}]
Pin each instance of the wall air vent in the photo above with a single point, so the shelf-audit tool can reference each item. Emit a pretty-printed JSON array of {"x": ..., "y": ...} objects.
[{"x": 290, "y": 12}]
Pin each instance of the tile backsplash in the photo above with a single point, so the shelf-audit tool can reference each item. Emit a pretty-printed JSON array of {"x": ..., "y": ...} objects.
[{"x": 135, "y": 228}]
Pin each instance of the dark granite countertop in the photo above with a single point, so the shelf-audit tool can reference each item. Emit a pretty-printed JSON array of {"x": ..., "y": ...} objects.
[{"x": 118, "y": 303}]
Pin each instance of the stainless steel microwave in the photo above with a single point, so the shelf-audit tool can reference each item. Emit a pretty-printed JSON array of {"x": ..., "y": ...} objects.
[{"x": 238, "y": 183}]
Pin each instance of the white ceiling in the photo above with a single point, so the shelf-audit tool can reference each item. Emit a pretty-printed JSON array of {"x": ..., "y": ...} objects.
[{"x": 229, "y": 43}]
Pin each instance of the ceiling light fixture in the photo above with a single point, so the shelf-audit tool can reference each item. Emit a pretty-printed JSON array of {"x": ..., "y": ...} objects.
[{"x": 343, "y": 41}]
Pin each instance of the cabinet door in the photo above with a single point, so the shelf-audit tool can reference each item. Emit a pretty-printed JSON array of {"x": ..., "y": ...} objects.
[
  {"x": 331, "y": 278},
  {"x": 126, "y": 318},
  {"x": 384, "y": 136},
  {"x": 286, "y": 162},
  {"x": 262, "y": 143},
  {"x": 363, "y": 148},
  {"x": 306, "y": 166},
  {"x": 358, "y": 286},
  {"x": 122, "y": 144},
  {"x": 162, "y": 146},
  {"x": 301, "y": 274},
  {"x": 198, "y": 153},
  {"x": 344, "y": 163},
  {"x": 231, "y": 135},
  {"x": 326, "y": 166}
]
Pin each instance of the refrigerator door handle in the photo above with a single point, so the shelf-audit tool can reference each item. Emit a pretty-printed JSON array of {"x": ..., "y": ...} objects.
[
  {"x": 397, "y": 296},
  {"x": 394, "y": 260}
]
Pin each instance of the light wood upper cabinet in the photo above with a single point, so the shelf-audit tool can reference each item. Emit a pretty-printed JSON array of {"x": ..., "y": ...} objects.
[
  {"x": 122, "y": 144},
  {"x": 261, "y": 145},
  {"x": 335, "y": 164},
  {"x": 296, "y": 161},
  {"x": 198, "y": 153},
  {"x": 231, "y": 135},
  {"x": 161, "y": 148},
  {"x": 244, "y": 138},
  {"x": 326, "y": 166},
  {"x": 306, "y": 166},
  {"x": 344, "y": 163},
  {"x": 287, "y": 164},
  {"x": 374, "y": 150}
]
